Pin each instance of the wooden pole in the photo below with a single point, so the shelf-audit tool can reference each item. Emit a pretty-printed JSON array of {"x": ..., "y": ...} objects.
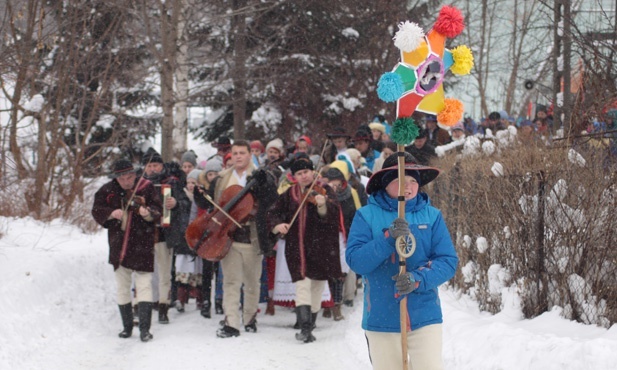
[{"x": 402, "y": 260}]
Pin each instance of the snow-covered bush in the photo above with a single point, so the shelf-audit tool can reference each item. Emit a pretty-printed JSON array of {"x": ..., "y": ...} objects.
[{"x": 544, "y": 225}]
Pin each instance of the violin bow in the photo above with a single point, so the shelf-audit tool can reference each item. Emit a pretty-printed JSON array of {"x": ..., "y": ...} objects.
[
  {"x": 209, "y": 198},
  {"x": 323, "y": 150}
]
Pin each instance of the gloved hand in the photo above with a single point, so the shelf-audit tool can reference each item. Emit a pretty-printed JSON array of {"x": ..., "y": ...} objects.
[
  {"x": 399, "y": 227},
  {"x": 260, "y": 175},
  {"x": 405, "y": 283},
  {"x": 199, "y": 198}
]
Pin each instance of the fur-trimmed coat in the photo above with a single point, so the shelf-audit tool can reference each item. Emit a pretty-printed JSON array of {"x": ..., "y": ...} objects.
[
  {"x": 140, "y": 251},
  {"x": 312, "y": 243}
]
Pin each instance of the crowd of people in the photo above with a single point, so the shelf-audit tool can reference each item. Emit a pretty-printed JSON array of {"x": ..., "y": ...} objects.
[{"x": 323, "y": 224}]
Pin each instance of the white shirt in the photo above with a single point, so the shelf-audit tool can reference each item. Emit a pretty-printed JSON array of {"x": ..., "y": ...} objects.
[{"x": 241, "y": 179}]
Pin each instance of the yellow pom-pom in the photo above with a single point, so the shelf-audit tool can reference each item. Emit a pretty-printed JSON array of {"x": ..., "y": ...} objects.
[
  {"x": 463, "y": 60},
  {"x": 451, "y": 114}
]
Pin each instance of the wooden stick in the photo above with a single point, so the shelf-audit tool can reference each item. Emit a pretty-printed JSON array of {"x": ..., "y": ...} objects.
[{"x": 402, "y": 260}]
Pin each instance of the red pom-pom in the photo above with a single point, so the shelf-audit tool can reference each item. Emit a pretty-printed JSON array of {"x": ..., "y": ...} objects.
[{"x": 449, "y": 22}]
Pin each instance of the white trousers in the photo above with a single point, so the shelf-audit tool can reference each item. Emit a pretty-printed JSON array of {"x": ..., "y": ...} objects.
[
  {"x": 241, "y": 267},
  {"x": 423, "y": 349},
  {"x": 308, "y": 292},
  {"x": 161, "y": 278},
  {"x": 143, "y": 285},
  {"x": 350, "y": 286}
]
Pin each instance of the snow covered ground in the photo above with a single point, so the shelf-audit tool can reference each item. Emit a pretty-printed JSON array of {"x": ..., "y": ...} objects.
[{"x": 58, "y": 311}]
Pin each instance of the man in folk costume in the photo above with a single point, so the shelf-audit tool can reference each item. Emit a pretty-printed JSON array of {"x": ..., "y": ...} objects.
[
  {"x": 242, "y": 266},
  {"x": 131, "y": 240},
  {"x": 312, "y": 242},
  {"x": 171, "y": 236}
]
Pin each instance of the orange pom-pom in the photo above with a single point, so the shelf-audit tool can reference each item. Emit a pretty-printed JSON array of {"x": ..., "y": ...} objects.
[
  {"x": 452, "y": 112},
  {"x": 450, "y": 22}
]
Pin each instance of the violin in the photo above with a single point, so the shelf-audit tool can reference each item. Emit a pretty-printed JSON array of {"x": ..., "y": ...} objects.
[
  {"x": 132, "y": 202},
  {"x": 317, "y": 190}
]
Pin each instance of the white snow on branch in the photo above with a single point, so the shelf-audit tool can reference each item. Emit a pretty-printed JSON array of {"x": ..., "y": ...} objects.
[{"x": 35, "y": 104}]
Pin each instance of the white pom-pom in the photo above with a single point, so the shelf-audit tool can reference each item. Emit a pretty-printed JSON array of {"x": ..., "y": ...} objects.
[{"x": 408, "y": 37}]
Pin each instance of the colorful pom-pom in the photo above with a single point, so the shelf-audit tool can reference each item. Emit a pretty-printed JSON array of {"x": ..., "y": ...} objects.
[
  {"x": 452, "y": 112},
  {"x": 450, "y": 22},
  {"x": 390, "y": 87},
  {"x": 404, "y": 131},
  {"x": 463, "y": 60},
  {"x": 408, "y": 37}
]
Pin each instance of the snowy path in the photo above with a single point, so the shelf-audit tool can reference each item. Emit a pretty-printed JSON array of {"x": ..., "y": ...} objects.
[{"x": 58, "y": 312}]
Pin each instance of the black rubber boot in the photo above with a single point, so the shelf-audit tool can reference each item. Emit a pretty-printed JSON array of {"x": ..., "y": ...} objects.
[
  {"x": 305, "y": 320},
  {"x": 218, "y": 306},
  {"x": 313, "y": 320},
  {"x": 205, "y": 309},
  {"x": 163, "y": 318},
  {"x": 145, "y": 319},
  {"x": 126, "y": 313}
]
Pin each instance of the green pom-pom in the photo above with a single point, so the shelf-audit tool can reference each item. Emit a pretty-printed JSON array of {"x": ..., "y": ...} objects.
[{"x": 404, "y": 131}]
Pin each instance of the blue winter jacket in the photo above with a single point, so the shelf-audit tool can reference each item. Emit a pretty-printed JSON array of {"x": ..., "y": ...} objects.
[{"x": 370, "y": 254}]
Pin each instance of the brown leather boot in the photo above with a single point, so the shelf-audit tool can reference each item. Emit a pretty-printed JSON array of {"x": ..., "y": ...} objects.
[
  {"x": 270, "y": 307},
  {"x": 327, "y": 313},
  {"x": 336, "y": 312}
]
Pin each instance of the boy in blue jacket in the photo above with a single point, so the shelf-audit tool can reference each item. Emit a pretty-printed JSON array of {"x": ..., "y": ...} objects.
[{"x": 371, "y": 252}]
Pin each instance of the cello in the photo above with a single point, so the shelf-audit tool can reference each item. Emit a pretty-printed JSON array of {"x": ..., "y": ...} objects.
[{"x": 209, "y": 234}]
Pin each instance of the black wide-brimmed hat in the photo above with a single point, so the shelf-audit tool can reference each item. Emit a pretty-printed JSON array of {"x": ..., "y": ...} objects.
[
  {"x": 223, "y": 142},
  {"x": 338, "y": 132},
  {"x": 427, "y": 174},
  {"x": 121, "y": 167}
]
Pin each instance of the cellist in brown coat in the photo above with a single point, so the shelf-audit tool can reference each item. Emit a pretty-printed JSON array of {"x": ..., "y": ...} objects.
[
  {"x": 130, "y": 233},
  {"x": 311, "y": 242}
]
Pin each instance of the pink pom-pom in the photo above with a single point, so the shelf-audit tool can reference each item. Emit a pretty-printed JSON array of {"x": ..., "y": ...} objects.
[{"x": 450, "y": 22}]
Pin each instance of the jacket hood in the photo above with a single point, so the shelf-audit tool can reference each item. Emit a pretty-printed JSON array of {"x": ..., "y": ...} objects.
[
  {"x": 341, "y": 166},
  {"x": 382, "y": 200}
]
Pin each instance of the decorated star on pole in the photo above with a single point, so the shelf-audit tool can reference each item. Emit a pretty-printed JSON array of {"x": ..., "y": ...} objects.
[{"x": 416, "y": 81}]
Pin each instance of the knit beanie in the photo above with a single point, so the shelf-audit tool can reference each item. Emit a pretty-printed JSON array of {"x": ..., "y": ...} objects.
[
  {"x": 276, "y": 144},
  {"x": 256, "y": 144},
  {"x": 213, "y": 165},
  {"x": 189, "y": 157},
  {"x": 194, "y": 174},
  {"x": 151, "y": 156},
  {"x": 301, "y": 163}
]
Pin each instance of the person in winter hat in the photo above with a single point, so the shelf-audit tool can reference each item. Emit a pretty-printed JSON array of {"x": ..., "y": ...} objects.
[
  {"x": 278, "y": 150},
  {"x": 210, "y": 269},
  {"x": 362, "y": 142},
  {"x": 349, "y": 201},
  {"x": 188, "y": 161},
  {"x": 258, "y": 153},
  {"x": 170, "y": 233},
  {"x": 436, "y": 135},
  {"x": 133, "y": 255},
  {"x": 371, "y": 252},
  {"x": 313, "y": 236},
  {"x": 188, "y": 268},
  {"x": 339, "y": 138},
  {"x": 421, "y": 148}
]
